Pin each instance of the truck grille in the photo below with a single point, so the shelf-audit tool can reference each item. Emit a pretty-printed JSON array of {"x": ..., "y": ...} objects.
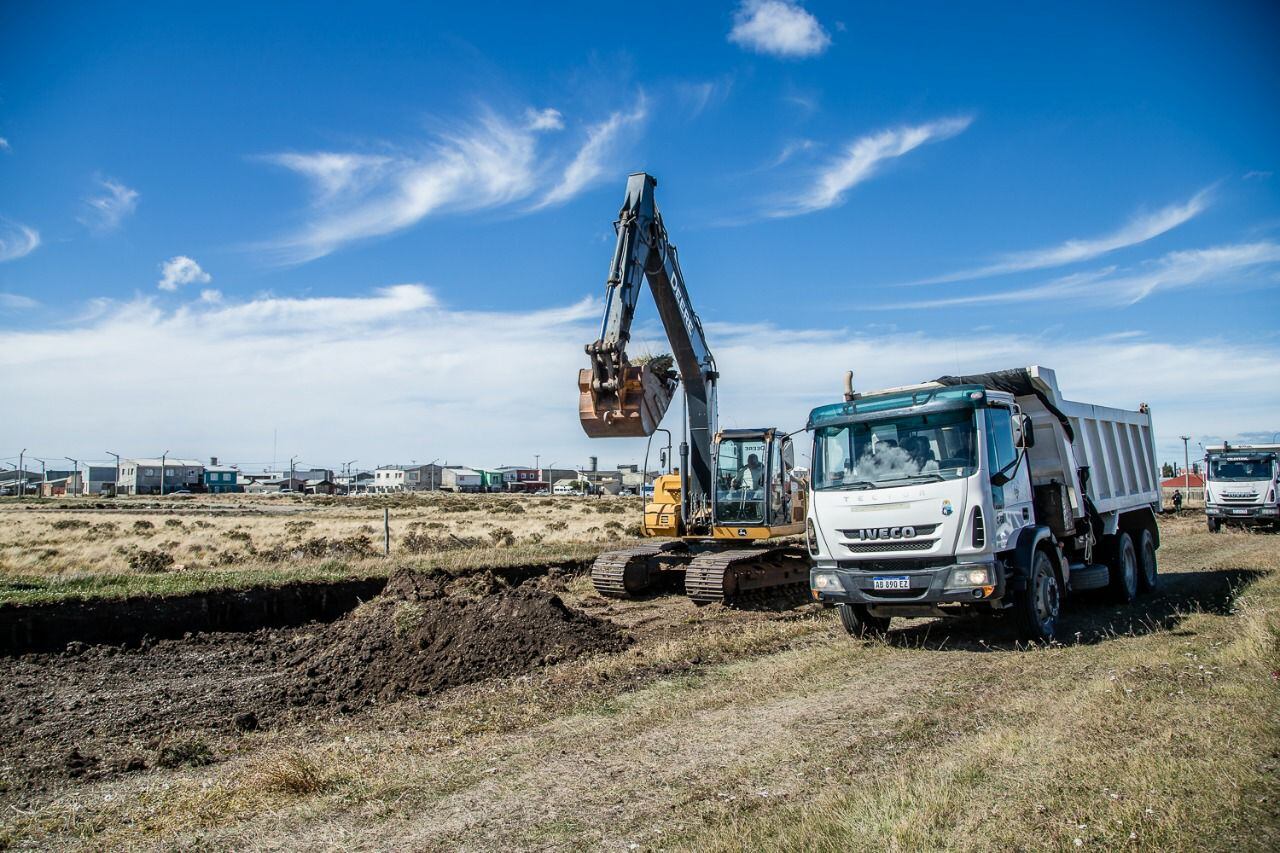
[{"x": 886, "y": 547}]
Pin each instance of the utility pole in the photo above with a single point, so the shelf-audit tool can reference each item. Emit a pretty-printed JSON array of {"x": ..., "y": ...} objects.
[
  {"x": 1186, "y": 466},
  {"x": 115, "y": 487},
  {"x": 347, "y": 466},
  {"x": 22, "y": 476},
  {"x": 432, "y": 466},
  {"x": 163, "y": 457},
  {"x": 292, "y": 460},
  {"x": 75, "y": 475}
]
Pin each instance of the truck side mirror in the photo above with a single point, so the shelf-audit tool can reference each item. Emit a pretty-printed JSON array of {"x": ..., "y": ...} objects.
[{"x": 1026, "y": 434}]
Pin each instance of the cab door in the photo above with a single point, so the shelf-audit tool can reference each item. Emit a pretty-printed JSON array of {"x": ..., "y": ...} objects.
[{"x": 781, "y": 461}]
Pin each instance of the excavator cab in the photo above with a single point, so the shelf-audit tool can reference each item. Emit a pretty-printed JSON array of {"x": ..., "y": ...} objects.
[{"x": 755, "y": 495}]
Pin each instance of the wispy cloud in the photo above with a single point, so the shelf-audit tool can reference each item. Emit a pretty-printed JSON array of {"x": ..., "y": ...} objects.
[
  {"x": 107, "y": 210},
  {"x": 695, "y": 97},
  {"x": 180, "y": 270},
  {"x": 4, "y": 144},
  {"x": 544, "y": 119},
  {"x": 487, "y": 163},
  {"x": 16, "y": 239},
  {"x": 778, "y": 28},
  {"x": 588, "y": 165},
  {"x": 1257, "y": 175},
  {"x": 1114, "y": 286},
  {"x": 1139, "y": 229},
  {"x": 861, "y": 159},
  {"x": 17, "y": 302}
]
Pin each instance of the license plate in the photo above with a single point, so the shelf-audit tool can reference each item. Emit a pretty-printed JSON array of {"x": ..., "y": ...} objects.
[
  {"x": 891, "y": 583},
  {"x": 1240, "y": 511}
]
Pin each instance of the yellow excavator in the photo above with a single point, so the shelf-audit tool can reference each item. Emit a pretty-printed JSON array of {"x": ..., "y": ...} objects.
[{"x": 729, "y": 514}]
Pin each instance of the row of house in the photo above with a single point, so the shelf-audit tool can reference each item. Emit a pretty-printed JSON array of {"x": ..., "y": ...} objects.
[{"x": 169, "y": 475}]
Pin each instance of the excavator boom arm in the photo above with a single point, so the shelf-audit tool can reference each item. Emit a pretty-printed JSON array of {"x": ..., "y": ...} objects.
[{"x": 620, "y": 399}]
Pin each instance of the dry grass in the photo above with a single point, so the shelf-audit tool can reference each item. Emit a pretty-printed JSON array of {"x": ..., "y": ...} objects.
[
  {"x": 52, "y": 549},
  {"x": 744, "y": 731}
]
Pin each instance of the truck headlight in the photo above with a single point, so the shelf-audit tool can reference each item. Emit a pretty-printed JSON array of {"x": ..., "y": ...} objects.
[
  {"x": 969, "y": 576},
  {"x": 826, "y": 581}
]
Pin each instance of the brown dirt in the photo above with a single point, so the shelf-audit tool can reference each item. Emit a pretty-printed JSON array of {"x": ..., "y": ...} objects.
[
  {"x": 96, "y": 711},
  {"x": 428, "y": 632}
]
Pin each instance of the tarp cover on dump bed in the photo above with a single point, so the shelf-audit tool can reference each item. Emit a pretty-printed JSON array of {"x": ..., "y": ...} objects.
[{"x": 1017, "y": 382}]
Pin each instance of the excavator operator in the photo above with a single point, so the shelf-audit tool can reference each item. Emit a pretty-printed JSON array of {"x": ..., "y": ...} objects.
[{"x": 751, "y": 475}]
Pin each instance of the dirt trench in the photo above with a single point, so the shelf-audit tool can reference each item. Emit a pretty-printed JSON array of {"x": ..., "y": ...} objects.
[{"x": 93, "y": 711}]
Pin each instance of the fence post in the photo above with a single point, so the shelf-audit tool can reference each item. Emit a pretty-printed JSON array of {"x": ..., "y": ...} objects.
[{"x": 386, "y": 531}]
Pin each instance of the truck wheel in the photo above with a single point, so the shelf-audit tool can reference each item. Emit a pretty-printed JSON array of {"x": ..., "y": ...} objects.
[
  {"x": 859, "y": 623},
  {"x": 1124, "y": 570},
  {"x": 1147, "y": 562},
  {"x": 1036, "y": 607},
  {"x": 1214, "y": 525}
]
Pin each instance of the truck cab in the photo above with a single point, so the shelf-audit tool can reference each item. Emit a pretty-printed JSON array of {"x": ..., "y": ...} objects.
[
  {"x": 950, "y": 496},
  {"x": 1240, "y": 486}
]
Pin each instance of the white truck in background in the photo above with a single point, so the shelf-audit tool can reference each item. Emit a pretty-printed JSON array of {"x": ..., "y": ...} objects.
[
  {"x": 988, "y": 492},
  {"x": 1240, "y": 485}
]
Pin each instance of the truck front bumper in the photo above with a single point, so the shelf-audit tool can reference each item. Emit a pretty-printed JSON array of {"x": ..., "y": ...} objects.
[
  {"x": 928, "y": 586},
  {"x": 1251, "y": 512}
]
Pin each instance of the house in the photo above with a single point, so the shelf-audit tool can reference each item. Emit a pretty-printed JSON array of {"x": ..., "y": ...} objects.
[
  {"x": 353, "y": 483},
  {"x": 99, "y": 479},
  {"x": 219, "y": 479},
  {"x": 1191, "y": 485},
  {"x": 461, "y": 479},
  {"x": 519, "y": 479},
  {"x": 58, "y": 486},
  {"x": 155, "y": 476},
  {"x": 569, "y": 486},
  {"x": 389, "y": 478},
  {"x": 16, "y": 483},
  {"x": 491, "y": 481},
  {"x": 319, "y": 486},
  {"x": 300, "y": 474}
]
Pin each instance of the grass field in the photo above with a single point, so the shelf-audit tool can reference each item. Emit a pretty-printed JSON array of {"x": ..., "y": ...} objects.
[
  {"x": 1155, "y": 727},
  {"x": 80, "y": 547}
]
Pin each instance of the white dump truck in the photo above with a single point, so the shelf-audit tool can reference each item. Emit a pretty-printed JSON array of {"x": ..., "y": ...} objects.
[
  {"x": 1240, "y": 485},
  {"x": 988, "y": 492}
]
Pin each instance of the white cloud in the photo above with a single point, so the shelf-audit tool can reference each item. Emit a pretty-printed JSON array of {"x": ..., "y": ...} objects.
[
  {"x": 778, "y": 28},
  {"x": 180, "y": 270},
  {"x": 861, "y": 159},
  {"x": 17, "y": 302},
  {"x": 333, "y": 173},
  {"x": 106, "y": 211},
  {"x": 211, "y": 296},
  {"x": 1139, "y": 229},
  {"x": 547, "y": 119},
  {"x": 594, "y": 156},
  {"x": 418, "y": 382},
  {"x": 4, "y": 144},
  {"x": 1113, "y": 286},
  {"x": 16, "y": 240},
  {"x": 486, "y": 164}
]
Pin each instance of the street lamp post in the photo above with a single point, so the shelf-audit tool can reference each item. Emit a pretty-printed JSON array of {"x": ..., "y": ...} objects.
[
  {"x": 1186, "y": 465},
  {"x": 75, "y": 475},
  {"x": 22, "y": 475},
  {"x": 163, "y": 457},
  {"x": 115, "y": 487}
]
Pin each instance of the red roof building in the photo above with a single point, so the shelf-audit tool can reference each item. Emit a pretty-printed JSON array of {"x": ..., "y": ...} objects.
[{"x": 1188, "y": 481}]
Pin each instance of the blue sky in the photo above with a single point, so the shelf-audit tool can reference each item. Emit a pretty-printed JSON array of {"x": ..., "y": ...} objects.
[{"x": 383, "y": 232}]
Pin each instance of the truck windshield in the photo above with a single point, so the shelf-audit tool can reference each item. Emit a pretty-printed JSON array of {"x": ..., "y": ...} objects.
[
  {"x": 1258, "y": 468},
  {"x": 895, "y": 451}
]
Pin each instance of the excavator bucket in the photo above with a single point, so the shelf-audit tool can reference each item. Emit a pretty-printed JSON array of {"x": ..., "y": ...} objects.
[{"x": 634, "y": 412}]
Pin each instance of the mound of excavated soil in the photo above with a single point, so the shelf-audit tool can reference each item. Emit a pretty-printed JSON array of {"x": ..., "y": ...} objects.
[{"x": 427, "y": 632}]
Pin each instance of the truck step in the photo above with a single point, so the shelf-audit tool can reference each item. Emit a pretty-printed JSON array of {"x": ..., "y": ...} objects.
[{"x": 1096, "y": 576}]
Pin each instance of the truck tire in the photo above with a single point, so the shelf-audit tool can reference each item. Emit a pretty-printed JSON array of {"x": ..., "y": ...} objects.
[
  {"x": 1037, "y": 606},
  {"x": 859, "y": 623},
  {"x": 1147, "y": 570},
  {"x": 1124, "y": 569},
  {"x": 1214, "y": 525}
]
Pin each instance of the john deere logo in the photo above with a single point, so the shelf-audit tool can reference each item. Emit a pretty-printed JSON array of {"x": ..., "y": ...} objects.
[
  {"x": 742, "y": 531},
  {"x": 873, "y": 533}
]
